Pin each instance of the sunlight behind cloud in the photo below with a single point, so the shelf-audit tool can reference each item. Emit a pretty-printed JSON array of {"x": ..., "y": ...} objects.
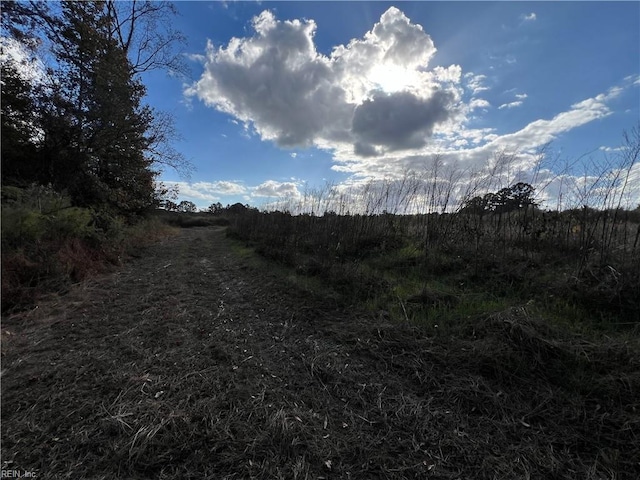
[
  {"x": 294, "y": 96},
  {"x": 392, "y": 78}
]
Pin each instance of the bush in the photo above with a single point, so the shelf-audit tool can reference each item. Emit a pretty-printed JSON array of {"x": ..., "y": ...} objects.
[
  {"x": 72, "y": 222},
  {"x": 36, "y": 214},
  {"x": 21, "y": 225},
  {"x": 47, "y": 244}
]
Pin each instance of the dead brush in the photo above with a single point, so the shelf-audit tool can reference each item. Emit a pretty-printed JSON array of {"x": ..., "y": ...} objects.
[{"x": 572, "y": 383}]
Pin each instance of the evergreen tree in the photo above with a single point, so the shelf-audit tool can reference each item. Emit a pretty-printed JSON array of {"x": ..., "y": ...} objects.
[
  {"x": 86, "y": 130},
  {"x": 17, "y": 127},
  {"x": 18, "y": 121},
  {"x": 94, "y": 123}
]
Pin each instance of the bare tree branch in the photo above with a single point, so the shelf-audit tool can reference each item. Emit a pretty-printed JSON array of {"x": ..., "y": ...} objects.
[{"x": 144, "y": 31}]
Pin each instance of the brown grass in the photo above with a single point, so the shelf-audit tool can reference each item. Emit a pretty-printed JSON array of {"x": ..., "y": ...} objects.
[{"x": 192, "y": 363}]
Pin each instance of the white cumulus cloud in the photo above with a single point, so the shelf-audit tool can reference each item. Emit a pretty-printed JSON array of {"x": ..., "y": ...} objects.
[
  {"x": 272, "y": 188},
  {"x": 374, "y": 102},
  {"x": 291, "y": 94}
]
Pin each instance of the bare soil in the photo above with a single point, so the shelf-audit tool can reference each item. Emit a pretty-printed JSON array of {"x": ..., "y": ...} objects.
[{"x": 192, "y": 362}]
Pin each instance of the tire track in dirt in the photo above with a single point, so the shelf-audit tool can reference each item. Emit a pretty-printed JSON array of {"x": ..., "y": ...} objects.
[{"x": 190, "y": 363}]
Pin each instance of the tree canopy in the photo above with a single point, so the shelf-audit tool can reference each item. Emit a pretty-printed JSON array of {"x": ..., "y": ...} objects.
[
  {"x": 84, "y": 128},
  {"x": 516, "y": 197}
]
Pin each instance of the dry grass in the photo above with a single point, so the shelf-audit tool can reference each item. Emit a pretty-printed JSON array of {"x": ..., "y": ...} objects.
[{"x": 190, "y": 363}]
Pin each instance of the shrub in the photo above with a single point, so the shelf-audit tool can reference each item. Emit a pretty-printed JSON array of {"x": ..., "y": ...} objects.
[
  {"x": 72, "y": 222},
  {"x": 21, "y": 225},
  {"x": 48, "y": 244}
]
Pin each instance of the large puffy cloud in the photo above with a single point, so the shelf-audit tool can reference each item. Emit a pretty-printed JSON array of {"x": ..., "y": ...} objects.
[
  {"x": 403, "y": 43},
  {"x": 295, "y": 96},
  {"x": 274, "y": 79},
  {"x": 394, "y": 51}
]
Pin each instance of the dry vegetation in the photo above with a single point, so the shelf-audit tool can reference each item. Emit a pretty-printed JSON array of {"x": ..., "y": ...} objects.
[
  {"x": 199, "y": 360},
  {"x": 579, "y": 266},
  {"x": 490, "y": 340},
  {"x": 453, "y": 243}
]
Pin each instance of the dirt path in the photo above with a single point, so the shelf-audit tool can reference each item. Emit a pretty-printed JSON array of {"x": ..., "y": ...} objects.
[{"x": 191, "y": 363}]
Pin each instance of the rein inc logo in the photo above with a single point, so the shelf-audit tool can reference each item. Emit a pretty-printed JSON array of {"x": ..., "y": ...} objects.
[{"x": 18, "y": 474}]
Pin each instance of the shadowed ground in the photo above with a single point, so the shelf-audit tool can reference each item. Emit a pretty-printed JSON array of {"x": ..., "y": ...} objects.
[{"x": 192, "y": 362}]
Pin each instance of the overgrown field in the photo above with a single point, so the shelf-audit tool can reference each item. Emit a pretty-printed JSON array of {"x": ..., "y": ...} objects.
[{"x": 579, "y": 268}]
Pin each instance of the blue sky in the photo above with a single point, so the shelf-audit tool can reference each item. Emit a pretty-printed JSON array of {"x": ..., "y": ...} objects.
[{"x": 285, "y": 97}]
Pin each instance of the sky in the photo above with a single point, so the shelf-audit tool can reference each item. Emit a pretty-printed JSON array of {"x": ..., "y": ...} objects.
[{"x": 287, "y": 97}]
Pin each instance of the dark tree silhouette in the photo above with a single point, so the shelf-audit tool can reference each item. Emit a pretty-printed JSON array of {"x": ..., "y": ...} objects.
[
  {"x": 85, "y": 130},
  {"x": 518, "y": 196}
]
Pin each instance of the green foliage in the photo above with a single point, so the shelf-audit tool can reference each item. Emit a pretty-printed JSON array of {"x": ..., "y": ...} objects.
[
  {"x": 70, "y": 222},
  {"x": 79, "y": 147},
  {"x": 37, "y": 213},
  {"x": 21, "y": 225},
  {"x": 47, "y": 243},
  {"x": 44, "y": 199},
  {"x": 187, "y": 207},
  {"x": 215, "y": 208},
  {"x": 518, "y": 196},
  {"x": 107, "y": 227},
  {"x": 17, "y": 124}
]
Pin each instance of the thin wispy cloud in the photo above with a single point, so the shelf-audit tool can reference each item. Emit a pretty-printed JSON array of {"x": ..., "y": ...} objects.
[
  {"x": 475, "y": 83},
  {"x": 510, "y": 105},
  {"x": 478, "y": 103}
]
